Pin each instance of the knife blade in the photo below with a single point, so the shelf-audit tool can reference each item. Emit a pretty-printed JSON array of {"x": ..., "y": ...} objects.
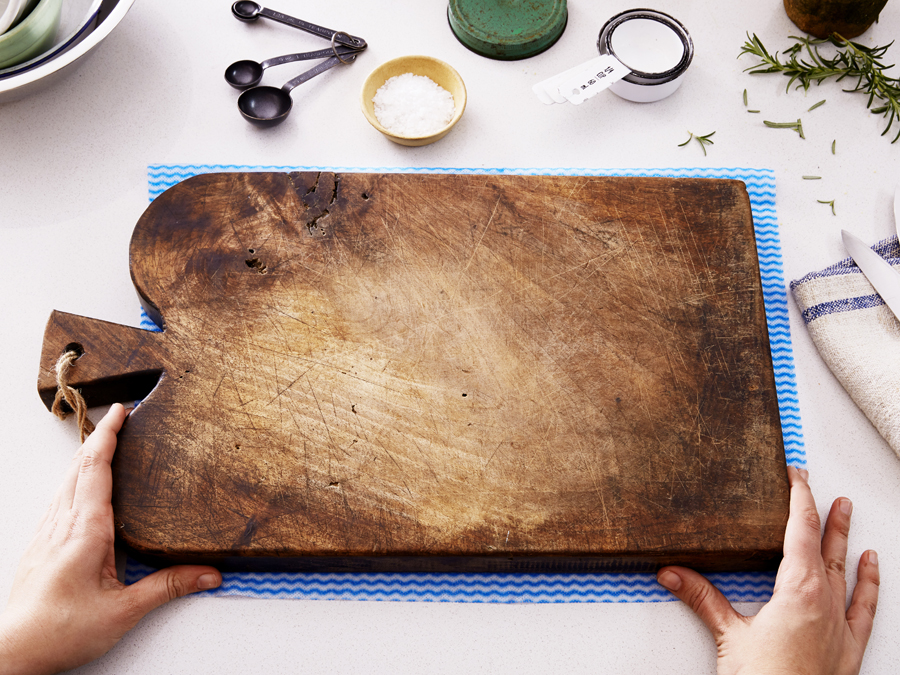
[
  {"x": 897, "y": 210},
  {"x": 878, "y": 271}
]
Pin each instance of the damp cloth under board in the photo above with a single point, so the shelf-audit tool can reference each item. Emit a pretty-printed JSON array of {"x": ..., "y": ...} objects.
[{"x": 540, "y": 588}]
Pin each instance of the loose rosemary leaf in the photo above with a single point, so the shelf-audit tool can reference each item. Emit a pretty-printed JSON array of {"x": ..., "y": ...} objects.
[
  {"x": 831, "y": 204},
  {"x": 796, "y": 126}
]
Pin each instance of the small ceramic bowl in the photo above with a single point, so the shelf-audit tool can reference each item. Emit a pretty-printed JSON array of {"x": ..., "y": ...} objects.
[
  {"x": 439, "y": 72},
  {"x": 33, "y": 35}
]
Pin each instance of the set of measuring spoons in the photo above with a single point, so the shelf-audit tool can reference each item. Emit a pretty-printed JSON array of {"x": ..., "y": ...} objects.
[{"x": 268, "y": 106}]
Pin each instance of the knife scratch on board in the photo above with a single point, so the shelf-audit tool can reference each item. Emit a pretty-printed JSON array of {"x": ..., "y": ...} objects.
[
  {"x": 599, "y": 490},
  {"x": 579, "y": 185},
  {"x": 481, "y": 238}
]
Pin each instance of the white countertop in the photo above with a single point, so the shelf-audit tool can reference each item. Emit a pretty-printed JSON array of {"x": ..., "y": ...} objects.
[{"x": 73, "y": 182}]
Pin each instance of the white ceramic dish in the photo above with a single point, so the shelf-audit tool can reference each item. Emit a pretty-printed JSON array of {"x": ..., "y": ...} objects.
[
  {"x": 78, "y": 20},
  {"x": 13, "y": 88}
]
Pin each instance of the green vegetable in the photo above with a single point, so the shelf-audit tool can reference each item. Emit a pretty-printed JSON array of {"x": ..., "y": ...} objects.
[{"x": 804, "y": 63}]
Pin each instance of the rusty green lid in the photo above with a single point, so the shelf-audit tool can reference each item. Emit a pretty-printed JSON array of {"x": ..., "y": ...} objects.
[{"x": 508, "y": 29}]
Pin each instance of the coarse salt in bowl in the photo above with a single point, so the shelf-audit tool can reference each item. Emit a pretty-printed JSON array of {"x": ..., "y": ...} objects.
[
  {"x": 410, "y": 96},
  {"x": 413, "y": 105}
]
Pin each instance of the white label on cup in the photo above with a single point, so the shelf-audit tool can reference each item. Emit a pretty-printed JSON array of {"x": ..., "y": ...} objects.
[
  {"x": 580, "y": 83},
  {"x": 585, "y": 84}
]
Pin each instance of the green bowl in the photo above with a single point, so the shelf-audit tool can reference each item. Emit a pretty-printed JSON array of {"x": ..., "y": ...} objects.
[{"x": 32, "y": 36}]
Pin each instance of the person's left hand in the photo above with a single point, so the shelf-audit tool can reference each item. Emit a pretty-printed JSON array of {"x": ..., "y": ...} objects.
[{"x": 66, "y": 606}]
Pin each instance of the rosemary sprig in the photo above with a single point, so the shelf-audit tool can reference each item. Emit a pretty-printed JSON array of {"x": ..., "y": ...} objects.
[
  {"x": 822, "y": 102},
  {"x": 796, "y": 126},
  {"x": 804, "y": 64},
  {"x": 702, "y": 140},
  {"x": 705, "y": 140},
  {"x": 831, "y": 204}
]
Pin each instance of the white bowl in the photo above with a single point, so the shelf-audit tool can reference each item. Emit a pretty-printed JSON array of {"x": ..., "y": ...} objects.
[{"x": 21, "y": 85}]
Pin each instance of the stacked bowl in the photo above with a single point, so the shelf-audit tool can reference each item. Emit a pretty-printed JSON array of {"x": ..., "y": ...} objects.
[{"x": 43, "y": 40}]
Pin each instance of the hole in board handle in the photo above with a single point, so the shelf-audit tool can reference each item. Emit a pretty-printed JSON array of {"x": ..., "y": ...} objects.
[{"x": 74, "y": 347}]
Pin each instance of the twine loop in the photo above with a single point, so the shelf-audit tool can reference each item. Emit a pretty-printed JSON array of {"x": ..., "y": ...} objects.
[{"x": 72, "y": 397}]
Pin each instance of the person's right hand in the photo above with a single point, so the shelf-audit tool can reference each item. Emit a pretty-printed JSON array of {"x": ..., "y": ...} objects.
[{"x": 805, "y": 629}]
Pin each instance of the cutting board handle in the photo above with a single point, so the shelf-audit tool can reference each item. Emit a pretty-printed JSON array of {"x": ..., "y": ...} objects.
[{"x": 117, "y": 363}]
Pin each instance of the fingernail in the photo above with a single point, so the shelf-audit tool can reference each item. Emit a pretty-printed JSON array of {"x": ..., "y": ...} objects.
[
  {"x": 805, "y": 474},
  {"x": 846, "y": 506},
  {"x": 873, "y": 558},
  {"x": 669, "y": 580},
  {"x": 207, "y": 581}
]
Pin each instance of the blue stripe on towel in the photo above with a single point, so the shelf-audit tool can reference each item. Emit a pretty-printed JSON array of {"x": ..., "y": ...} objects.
[
  {"x": 843, "y": 305},
  {"x": 889, "y": 249},
  {"x": 541, "y": 588}
]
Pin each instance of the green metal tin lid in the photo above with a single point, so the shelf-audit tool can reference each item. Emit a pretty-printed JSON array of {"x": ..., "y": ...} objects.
[{"x": 508, "y": 29}]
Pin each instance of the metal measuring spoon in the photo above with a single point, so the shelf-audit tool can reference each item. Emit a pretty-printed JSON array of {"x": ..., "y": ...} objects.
[
  {"x": 268, "y": 106},
  {"x": 245, "y": 10},
  {"x": 248, "y": 73}
]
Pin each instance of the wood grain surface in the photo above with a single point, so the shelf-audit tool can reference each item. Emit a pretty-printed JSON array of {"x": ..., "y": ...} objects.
[{"x": 440, "y": 372}]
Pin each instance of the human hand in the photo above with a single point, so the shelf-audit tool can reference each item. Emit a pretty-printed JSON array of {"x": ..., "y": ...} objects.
[
  {"x": 804, "y": 629},
  {"x": 66, "y": 606}
]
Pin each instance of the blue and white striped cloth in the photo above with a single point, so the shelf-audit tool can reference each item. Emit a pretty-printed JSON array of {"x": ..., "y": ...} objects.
[
  {"x": 857, "y": 336},
  {"x": 541, "y": 588}
]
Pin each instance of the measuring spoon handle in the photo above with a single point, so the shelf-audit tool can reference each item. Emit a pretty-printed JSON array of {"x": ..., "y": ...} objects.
[
  {"x": 306, "y": 56},
  {"x": 312, "y": 72},
  {"x": 341, "y": 38}
]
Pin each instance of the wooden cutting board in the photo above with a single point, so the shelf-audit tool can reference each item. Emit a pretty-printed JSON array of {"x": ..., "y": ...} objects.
[{"x": 440, "y": 372}]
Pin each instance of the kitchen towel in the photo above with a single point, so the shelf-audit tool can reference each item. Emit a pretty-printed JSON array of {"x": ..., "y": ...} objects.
[
  {"x": 857, "y": 336},
  {"x": 541, "y": 588}
]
